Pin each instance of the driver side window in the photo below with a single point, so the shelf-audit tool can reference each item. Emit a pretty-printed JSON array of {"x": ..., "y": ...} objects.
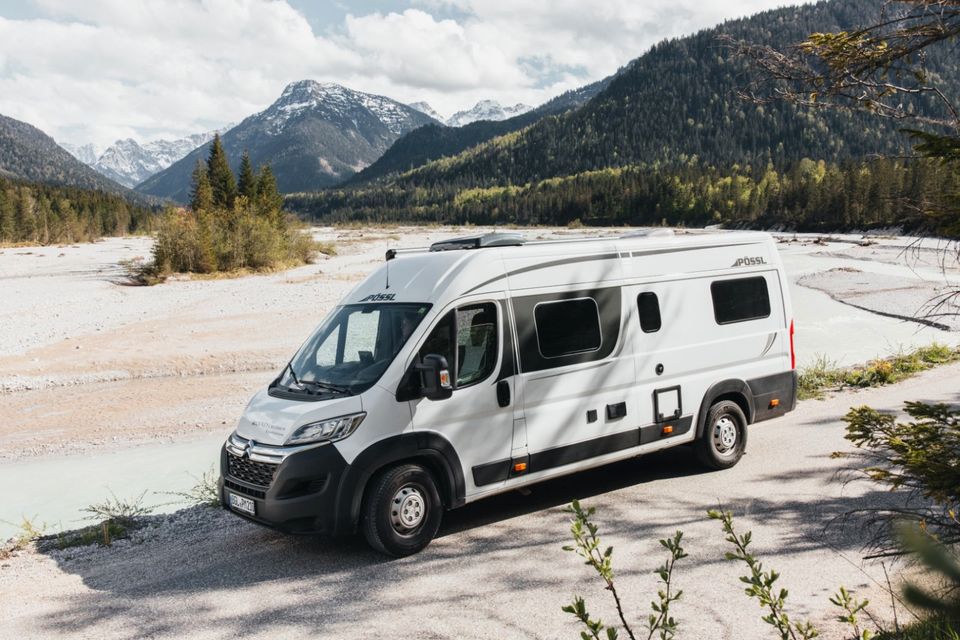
[{"x": 468, "y": 339}]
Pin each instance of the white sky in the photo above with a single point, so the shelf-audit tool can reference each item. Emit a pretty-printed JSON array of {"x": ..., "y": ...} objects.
[{"x": 99, "y": 70}]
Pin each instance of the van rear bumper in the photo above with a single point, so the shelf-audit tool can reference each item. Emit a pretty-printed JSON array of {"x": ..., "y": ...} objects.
[
  {"x": 773, "y": 395},
  {"x": 302, "y": 496}
]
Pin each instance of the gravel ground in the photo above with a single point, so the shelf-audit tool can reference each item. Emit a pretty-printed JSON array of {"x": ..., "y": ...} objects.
[{"x": 497, "y": 569}]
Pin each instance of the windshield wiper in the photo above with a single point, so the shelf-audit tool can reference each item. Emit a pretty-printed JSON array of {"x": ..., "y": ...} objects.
[{"x": 336, "y": 388}]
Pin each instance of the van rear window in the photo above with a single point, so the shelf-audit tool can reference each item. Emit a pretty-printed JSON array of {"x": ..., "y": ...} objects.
[
  {"x": 566, "y": 327},
  {"x": 740, "y": 300},
  {"x": 649, "y": 307}
]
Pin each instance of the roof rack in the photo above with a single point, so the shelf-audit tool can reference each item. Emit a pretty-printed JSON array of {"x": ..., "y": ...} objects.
[{"x": 480, "y": 242}]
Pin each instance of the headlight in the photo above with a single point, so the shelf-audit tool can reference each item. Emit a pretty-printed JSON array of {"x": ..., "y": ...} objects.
[{"x": 327, "y": 430}]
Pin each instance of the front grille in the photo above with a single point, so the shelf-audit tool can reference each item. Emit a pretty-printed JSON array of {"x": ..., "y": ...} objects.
[
  {"x": 239, "y": 488},
  {"x": 255, "y": 473}
]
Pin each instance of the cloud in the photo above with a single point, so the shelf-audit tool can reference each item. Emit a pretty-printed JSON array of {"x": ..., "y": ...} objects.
[{"x": 103, "y": 69}]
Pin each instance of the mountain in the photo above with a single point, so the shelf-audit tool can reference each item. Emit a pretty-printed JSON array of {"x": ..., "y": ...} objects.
[
  {"x": 668, "y": 141},
  {"x": 130, "y": 163},
  {"x": 486, "y": 110},
  {"x": 437, "y": 141},
  {"x": 315, "y": 135},
  {"x": 29, "y": 154},
  {"x": 423, "y": 107},
  {"x": 677, "y": 104},
  {"x": 87, "y": 153}
]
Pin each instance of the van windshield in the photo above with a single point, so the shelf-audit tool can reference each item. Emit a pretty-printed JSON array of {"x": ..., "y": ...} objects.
[{"x": 351, "y": 349}]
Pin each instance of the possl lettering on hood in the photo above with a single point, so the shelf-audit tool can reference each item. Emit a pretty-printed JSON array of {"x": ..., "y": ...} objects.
[{"x": 379, "y": 297}]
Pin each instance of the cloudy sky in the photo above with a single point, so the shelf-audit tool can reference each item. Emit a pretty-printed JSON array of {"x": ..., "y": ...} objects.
[{"x": 99, "y": 70}]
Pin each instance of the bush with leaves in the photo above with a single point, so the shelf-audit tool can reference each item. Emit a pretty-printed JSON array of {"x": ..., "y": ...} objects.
[{"x": 920, "y": 456}]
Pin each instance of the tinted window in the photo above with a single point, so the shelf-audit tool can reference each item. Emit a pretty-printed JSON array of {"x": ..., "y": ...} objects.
[
  {"x": 475, "y": 338},
  {"x": 739, "y": 300},
  {"x": 649, "y": 308},
  {"x": 567, "y": 327},
  {"x": 476, "y": 343}
]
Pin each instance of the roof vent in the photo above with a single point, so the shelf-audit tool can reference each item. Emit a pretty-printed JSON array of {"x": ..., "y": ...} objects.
[
  {"x": 652, "y": 232},
  {"x": 480, "y": 242}
]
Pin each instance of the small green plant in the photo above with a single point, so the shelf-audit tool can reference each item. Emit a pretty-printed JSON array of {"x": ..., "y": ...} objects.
[
  {"x": 204, "y": 492},
  {"x": 28, "y": 530},
  {"x": 939, "y": 561},
  {"x": 761, "y": 584},
  {"x": 117, "y": 517},
  {"x": 587, "y": 546}
]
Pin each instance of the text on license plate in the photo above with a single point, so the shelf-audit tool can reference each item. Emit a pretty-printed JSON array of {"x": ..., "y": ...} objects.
[{"x": 242, "y": 504}]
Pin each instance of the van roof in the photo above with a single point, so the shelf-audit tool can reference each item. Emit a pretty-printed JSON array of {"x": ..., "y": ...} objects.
[{"x": 490, "y": 262}]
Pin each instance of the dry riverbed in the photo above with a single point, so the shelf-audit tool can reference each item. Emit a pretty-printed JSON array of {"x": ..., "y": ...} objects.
[{"x": 137, "y": 376}]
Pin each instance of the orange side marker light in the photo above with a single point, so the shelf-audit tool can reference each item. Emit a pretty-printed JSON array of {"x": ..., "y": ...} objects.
[
  {"x": 667, "y": 430},
  {"x": 774, "y": 403},
  {"x": 520, "y": 467}
]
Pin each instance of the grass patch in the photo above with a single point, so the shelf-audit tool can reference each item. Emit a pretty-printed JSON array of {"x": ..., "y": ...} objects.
[
  {"x": 117, "y": 519},
  {"x": 824, "y": 375},
  {"x": 27, "y": 532},
  {"x": 936, "y": 628}
]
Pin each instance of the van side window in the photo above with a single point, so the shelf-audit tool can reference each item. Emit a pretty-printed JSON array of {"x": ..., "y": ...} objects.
[
  {"x": 567, "y": 327},
  {"x": 740, "y": 299},
  {"x": 473, "y": 329},
  {"x": 476, "y": 343},
  {"x": 649, "y": 307}
]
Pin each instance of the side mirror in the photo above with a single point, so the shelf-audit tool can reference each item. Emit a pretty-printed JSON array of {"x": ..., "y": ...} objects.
[{"x": 435, "y": 377}]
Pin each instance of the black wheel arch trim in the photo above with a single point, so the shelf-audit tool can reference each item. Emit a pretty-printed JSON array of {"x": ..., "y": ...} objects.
[
  {"x": 431, "y": 447},
  {"x": 724, "y": 388}
]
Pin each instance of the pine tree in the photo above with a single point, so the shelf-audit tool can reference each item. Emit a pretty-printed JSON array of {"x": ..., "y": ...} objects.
[
  {"x": 223, "y": 183},
  {"x": 269, "y": 200},
  {"x": 201, "y": 192},
  {"x": 247, "y": 183}
]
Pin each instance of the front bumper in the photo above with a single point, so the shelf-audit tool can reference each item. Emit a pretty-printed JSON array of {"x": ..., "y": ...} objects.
[{"x": 297, "y": 494}]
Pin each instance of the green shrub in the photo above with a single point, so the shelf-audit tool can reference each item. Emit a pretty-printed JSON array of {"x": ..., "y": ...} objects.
[{"x": 920, "y": 456}]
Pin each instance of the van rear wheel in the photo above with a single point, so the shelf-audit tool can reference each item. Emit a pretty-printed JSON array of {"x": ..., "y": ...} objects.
[
  {"x": 724, "y": 437},
  {"x": 402, "y": 510}
]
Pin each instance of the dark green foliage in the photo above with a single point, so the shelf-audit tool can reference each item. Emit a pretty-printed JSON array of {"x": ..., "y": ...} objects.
[
  {"x": 921, "y": 457},
  {"x": 247, "y": 181},
  {"x": 806, "y": 196},
  {"x": 201, "y": 194},
  {"x": 252, "y": 233},
  {"x": 222, "y": 182},
  {"x": 45, "y": 214}
]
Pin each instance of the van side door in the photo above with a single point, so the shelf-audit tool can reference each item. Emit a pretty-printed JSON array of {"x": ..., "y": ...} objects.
[{"x": 477, "y": 419}]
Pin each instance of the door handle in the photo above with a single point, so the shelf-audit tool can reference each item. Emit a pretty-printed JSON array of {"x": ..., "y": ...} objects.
[{"x": 503, "y": 393}]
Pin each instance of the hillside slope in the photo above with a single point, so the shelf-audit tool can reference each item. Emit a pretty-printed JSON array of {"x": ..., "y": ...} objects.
[
  {"x": 677, "y": 104},
  {"x": 29, "y": 154}
]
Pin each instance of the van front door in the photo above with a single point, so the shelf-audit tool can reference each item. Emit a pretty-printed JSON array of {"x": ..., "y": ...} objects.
[{"x": 477, "y": 419}]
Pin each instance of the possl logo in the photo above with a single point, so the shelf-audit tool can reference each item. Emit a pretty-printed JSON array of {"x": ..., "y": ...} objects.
[
  {"x": 379, "y": 297},
  {"x": 747, "y": 261}
]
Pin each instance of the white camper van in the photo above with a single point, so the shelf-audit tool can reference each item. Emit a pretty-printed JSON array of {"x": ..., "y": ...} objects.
[{"x": 485, "y": 364}]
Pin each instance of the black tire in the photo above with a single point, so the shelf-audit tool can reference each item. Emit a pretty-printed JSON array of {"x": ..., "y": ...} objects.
[
  {"x": 724, "y": 437},
  {"x": 402, "y": 510}
]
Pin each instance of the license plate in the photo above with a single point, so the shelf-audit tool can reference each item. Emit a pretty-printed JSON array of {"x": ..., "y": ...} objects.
[{"x": 240, "y": 503}]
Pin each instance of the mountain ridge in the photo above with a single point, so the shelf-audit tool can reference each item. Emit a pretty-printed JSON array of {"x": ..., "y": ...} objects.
[{"x": 314, "y": 135}]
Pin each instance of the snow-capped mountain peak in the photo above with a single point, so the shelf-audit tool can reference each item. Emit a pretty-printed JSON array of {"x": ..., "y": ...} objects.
[
  {"x": 85, "y": 153},
  {"x": 333, "y": 101},
  {"x": 487, "y": 110},
  {"x": 425, "y": 108}
]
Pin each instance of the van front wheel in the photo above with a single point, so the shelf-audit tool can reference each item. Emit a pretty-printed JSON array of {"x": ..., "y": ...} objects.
[
  {"x": 724, "y": 437},
  {"x": 402, "y": 510}
]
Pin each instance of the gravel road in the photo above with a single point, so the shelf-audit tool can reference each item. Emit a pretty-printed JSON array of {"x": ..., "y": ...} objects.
[{"x": 497, "y": 569}]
